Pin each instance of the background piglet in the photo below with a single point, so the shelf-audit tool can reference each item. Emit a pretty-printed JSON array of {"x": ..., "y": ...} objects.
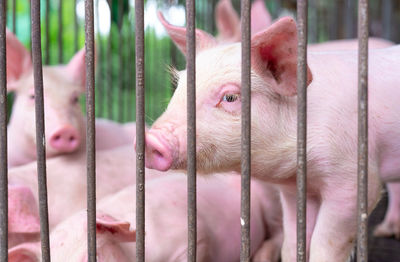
[
  {"x": 332, "y": 125},
  {"x": 64, "y": 122},
  {"x": 23, "y": 217},
  {"x": 66, "y": 179},
  {"x": 218, "y": 223}
]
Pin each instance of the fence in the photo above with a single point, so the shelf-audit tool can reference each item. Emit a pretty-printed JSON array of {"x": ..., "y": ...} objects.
[{"x": 106, "y": 96}]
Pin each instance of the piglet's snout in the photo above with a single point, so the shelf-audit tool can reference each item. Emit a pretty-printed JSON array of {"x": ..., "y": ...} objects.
[
  {"x": 158, "y": 153},
  {"x": 65, "y": 139}
]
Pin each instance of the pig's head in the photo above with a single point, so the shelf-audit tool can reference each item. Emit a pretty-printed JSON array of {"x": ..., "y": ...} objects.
[
  {"x": 69, "y": 240},
  {"x": 218, "y": 103},
  {"x": 23, "y": 217},
  {"x": 64, "y": 122}
]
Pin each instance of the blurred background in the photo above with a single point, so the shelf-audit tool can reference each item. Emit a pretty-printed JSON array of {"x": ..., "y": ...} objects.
[{"x": 63, "y": 35}]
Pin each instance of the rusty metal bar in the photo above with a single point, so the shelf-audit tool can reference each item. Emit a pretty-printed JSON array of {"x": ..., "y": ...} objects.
[
  {"x": 90, "y": 129},
  {"x": 362, "y": 186},
  {"x": 3, "y": 137},
  {"x": 140, "y": 127},
  {"x": 76, "y": 29},
  {"x": 14, "y": 17},
  {"x": 246, "y": 134},
  {"x": 302, "y": 15},
  {"x": 191, "y": 127},
  {"x": 120, "y": 60},
  {"x": 47, "y": 33},
  {"x": 387, "y": 18},
  {"x": 40, "y": 135},
  {"x": 60, "y": 31}
]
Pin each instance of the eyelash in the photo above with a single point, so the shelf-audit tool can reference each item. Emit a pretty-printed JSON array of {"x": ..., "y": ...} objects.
[{"x": 230, "y": 98}]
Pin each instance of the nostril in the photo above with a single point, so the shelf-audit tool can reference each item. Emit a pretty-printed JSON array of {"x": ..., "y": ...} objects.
[
  {"x": 57, "y": 137},
  {"x": 71, "y": 138}
]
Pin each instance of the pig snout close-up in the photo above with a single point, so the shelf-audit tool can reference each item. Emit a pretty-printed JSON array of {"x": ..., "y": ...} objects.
[{"x": 332, "y": 144}]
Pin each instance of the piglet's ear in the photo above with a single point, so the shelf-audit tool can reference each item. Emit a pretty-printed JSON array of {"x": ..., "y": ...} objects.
[
  {"x": 227, "y": 21},
  {"x": 178, "y": 35},
  {"x": 27, "y": 252},
  {"x": 76, "y": 68},
  {"x": 260, "y": 17},
  {"x": 23, "y": 216},
  {"x": 274, "y": 56},
  {"x": 119, "y": 230},
  {"x": 18, "y": 60}
]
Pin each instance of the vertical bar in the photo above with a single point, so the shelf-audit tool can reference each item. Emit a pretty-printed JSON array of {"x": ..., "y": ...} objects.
[
  {"x": 362, "y": 187},
  {"x": 3, "y": 137},
  {"x": 191, "y": 128},
  {"x": 60, "y": 32},
  {"x": 387, "y": 18},
  {"x": 90, "y": 131},
  {"x": 140, "y": 127},
  {"x": 40, "y": 135},
  {"x": 47, "y": 32},
  {"x": 76, "y": 29},
  {"x": 120, "y": 60},
  {"x": 246, "y": 125},
  {"x": 14, "y": 17},
  {"x": 301, "y": 128}
]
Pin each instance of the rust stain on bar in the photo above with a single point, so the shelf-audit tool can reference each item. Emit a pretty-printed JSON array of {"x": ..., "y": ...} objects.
[
  {"x": 362, "y": 187},
  {"x": 302, "y": 16},
  {"x": 47, "y": 33},
  {"x": 40, "y": 135},
  {"x": 60, "y": 31},
  {"x": 3, "y": 137},
  {"x": 90, "y": 130},
  {"x": 191, "y": 128},
  {"x": 140, "y": 128},
  {"x": 246, "y": 135}
]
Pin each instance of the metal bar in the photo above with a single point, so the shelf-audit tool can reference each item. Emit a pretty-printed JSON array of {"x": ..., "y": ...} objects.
[
  {"x": 90, "y": 130},
  {"x": 120, "y": 58},
  {"x": 76, "y": 29},
  {"x": 140, "y": 127},
  {"x": 3, "y": 137},
  {"x": 14, "y": 16},
  {"x": 60, "y": 32},
  {"x": 47, "y": 33},
  {"x": 40, "y": 135},
  {"x": 191, "y": 127},
  {"x": 387, "y": 18},
  {"x": 246, "y": 125},
  {"x": 362, "y": 186},
  {"x": 302, "y": 15}
]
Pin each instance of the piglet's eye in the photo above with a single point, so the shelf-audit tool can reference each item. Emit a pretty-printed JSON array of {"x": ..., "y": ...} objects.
[
  {"x": 230, "y": 98},
  {"x": 32, "y": 97},
  {"x": 75, "y": 100}
]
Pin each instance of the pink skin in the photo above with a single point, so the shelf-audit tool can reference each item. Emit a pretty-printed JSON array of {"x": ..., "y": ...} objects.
[
  {"x": 66, "y": 183},
  {"x": 332, "y": 129},
  {"x": 166, "y": 231},
  {"x": 65, "y": 246},
  {"x": 23, "y": 217},
  {"x": 64, "y": 120}
]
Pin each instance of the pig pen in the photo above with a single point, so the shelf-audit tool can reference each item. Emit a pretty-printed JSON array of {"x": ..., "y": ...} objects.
[{"x": 115, "y": 99}]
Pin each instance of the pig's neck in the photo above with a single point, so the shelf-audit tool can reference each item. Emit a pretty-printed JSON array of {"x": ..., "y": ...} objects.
[
  {"x": 274, "y": 159},
  {"x": 20, "y": 149}
]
